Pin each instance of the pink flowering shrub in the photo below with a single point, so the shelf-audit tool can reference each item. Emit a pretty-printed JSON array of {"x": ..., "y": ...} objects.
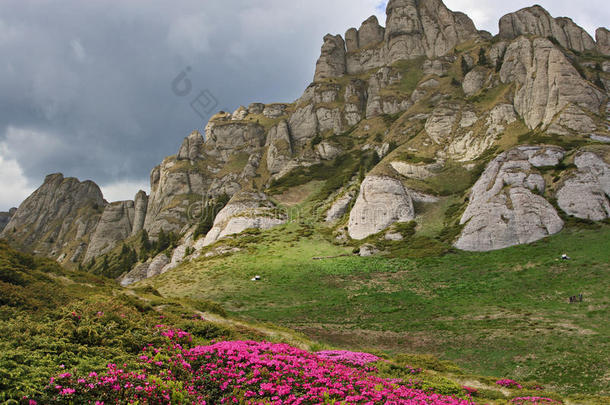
[
  {"x": 348, "y": 358},
  {"x": 508, "y": 383},
  {"x": 533, "y": 401},
  {"x": 239, "y": 372}
]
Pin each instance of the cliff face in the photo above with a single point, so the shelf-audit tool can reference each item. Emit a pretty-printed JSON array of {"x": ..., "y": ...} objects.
[
  {"x": 399, "y": 120},
  {"x": 5, "y": 217}
]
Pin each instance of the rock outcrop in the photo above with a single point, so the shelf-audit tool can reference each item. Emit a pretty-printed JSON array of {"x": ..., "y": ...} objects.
[
  {"x": 382, "y": 201},
  {"x": 332, "y": 61},
  {"x": 279, "y": 144},
  {"x": 246, "y": 210},
  {"x": 602, "y": 37},
  {"x": 153, "y": 267},
  {"x": 115, "y": 225},
  {"x": 60, "y": 215},
  {"x": 5, "y": 217},
  {"x": 424, "y": 28},
  {"x": 537, "y": 21},
  {"x": 140, "y": 208},
  {"x": 505, "y": 206},
  {"x": 546, "y": 81},
  {"x": 585, "y": 193},
  {"x": 339, "y": 207}
]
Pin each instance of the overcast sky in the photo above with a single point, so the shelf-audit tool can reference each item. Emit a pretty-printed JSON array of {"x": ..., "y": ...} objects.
[{"x": 86, "y": 86}]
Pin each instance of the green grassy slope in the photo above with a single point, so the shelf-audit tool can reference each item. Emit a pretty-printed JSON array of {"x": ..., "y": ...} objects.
[{"x": 497, "y": 313}]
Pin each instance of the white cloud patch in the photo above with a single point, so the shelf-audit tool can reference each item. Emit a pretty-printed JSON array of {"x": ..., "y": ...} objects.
[
  {"x": 78, "y": 50},
  {"x": 123, "y": 190},
  {"x": 14, "y": 185}
]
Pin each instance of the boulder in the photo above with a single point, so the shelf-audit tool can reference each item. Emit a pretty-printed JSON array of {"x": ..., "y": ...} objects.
[
  {"x": 339, "y": 207},
  {"x": 537, "y": 21},
  {"x": 115, "y": 225},
  {"x": 546, "y": 81},
  {"x": 256, "y": 108},
  {"x": 332, "y": 61},
  {"x": 505, "y": 207},
  {"x": 585, "y": 192},
  {"x": 382, "y": 201},
  {"x": 246, "y": 210},
  {"x": 327, "y": 151},
  {"x": 474, "y": 80}
]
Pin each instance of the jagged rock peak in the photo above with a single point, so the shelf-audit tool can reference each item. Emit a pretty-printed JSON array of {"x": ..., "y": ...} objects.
[
  {"x": 414, "y": 28},
  {"x": 5, "y": 217},
  {"x": 424, "y": 27},
  {"x": 58, "y": 216},
  {"x": 536, "y": 20},
  {"x": 369, "y": 34}
]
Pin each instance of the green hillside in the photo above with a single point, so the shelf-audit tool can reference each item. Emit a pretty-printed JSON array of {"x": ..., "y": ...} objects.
[{"x": 498, "y": 313}]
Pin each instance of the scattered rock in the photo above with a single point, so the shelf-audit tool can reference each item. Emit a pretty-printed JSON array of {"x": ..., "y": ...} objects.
[{"x": 368, "y": 250}]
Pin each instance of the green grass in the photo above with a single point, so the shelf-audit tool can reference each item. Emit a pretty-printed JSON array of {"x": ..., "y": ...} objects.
[{"x": 502, "y": 313}]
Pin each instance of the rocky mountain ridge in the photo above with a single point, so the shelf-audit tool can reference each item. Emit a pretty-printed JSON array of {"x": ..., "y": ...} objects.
[{"x": 427, "y": 112}]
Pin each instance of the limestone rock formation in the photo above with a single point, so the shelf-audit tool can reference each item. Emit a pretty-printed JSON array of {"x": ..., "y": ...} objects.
[
  {"x": 585, "y": 193},
  {"x": 505, "y": 207},
  {"x": 140, "y": 208},
  {"x": 192, "y": 147},
  {"x": 474, "y": 81},
  {"x": 279, "y": 151},
  {"x": 5, "y": 217},
  {"x": 142, "y": 271},
  {"x": 424, "y": 28},
  {"x": 369, "y": 34},
  {"x": 602, "y": 37},
  {"x": 547, "y": 81},
  {"x": 332, "y": 60},
  {"x": 382, "y": 201},
  {"x": 115, "y": 225},
  {"x": 537, "y": 21},
  {"x": 245, "y": 210},
  {"x": 57, "y": 217}
]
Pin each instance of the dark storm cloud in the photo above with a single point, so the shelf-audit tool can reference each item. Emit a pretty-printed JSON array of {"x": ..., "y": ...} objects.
[{"x": 86, "y": 86}]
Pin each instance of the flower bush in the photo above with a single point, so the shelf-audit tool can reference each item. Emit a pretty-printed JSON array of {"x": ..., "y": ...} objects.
[
  {"x": 508, "y": 383},
  {"x": 239, "y": 372},
  {"x": 533, "y": 401}
]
